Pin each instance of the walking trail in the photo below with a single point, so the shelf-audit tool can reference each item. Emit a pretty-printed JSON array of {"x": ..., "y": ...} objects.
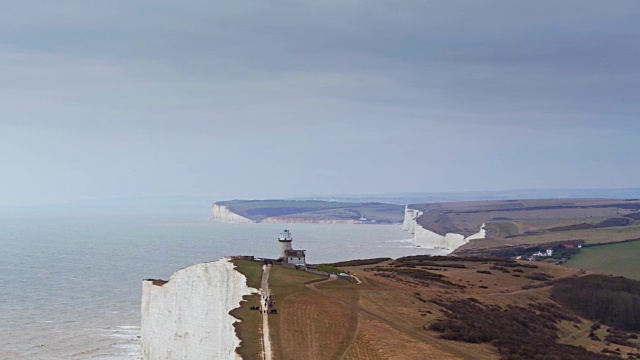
[{"x": 266, "y": 341}]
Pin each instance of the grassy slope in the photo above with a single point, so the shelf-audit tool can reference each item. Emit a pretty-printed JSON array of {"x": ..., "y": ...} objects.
[
  {"x": 306, "y": 325},
  {"x": 250, "y": 320},
  {"x": 385, "y": 318},
  {"x": 614, "y": 259},
  {"x": 519, "y": 215},
  {"x": 590, "y": 236},
  {"x": 408, "y": 301},
  {"x": 314, "y": 326},
  {"x": 258, "y": 210}
]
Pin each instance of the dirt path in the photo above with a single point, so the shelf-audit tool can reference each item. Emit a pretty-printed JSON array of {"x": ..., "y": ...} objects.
[
  {"x": 420, "y": 335},
  {"x": 266, "y": 341},
  {"x": 576, "y": 333}
]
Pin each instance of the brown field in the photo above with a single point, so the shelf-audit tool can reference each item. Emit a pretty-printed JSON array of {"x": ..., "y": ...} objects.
[
  {"x": 306, "y": 323},
  {"x": 389, "y": 315}
]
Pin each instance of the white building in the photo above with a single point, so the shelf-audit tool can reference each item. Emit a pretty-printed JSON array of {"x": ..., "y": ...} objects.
[
  {"x": 549, "y": 252},
  {"x": 287, "y": 254}
]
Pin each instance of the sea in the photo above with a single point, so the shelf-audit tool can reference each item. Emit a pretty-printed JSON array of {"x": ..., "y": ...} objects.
[{"x": 70, "y": 279}]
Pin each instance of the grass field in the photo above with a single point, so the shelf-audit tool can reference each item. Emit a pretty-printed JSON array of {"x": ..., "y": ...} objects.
[
  {"x": 588, "y": 236},
  {"x": 614, "y": 259},
  {"x": 248, "y": 328},
  {"x": 330, "y": 269},
  {"x": 305, "y": 326},
  {"x": 391, "y": 314}
]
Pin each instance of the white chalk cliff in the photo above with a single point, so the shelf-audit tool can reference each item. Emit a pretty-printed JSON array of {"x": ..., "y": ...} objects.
[
  {"x": 222, "y": 213},
  {"x": 410, "y": 216},
  {"x": 429, "y": 239},
  {"x": 188, "y": 317}
]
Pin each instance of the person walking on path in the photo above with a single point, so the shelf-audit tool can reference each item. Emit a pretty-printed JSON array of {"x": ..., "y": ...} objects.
[{"x": 266, "y": 341}]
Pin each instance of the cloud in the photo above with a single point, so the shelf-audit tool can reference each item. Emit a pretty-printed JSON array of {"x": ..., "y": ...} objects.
[{"x": 343, "y": 90}]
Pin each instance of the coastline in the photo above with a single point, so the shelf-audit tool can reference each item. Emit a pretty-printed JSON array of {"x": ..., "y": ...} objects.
[
  {"x": 248, "y": 320},
  {"x": 181, "y": 308}
]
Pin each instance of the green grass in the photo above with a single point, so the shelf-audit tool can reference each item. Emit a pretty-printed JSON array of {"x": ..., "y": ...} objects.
[
  {"x": 590, "y": 236},
  {"x": 330, "y": 269},
  {"x": 615, "y": 259},
  {"x": 250, "y": 320},
  {"x": 252, "y": 270}
]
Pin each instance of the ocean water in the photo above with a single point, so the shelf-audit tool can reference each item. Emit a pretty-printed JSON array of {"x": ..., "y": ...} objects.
[{"x": 70, "y": 280}]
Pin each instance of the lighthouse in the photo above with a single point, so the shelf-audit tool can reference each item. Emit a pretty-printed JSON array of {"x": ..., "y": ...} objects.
[
  {"x": 285, "y": 240},
  {"x": 287, "y": 254}
]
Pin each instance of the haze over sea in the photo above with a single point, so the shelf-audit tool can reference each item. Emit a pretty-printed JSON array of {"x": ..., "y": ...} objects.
[{"x": 70, "y": 279}]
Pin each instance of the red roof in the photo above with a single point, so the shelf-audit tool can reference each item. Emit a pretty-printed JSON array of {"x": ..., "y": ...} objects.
[{"x": 569, "y": 246}]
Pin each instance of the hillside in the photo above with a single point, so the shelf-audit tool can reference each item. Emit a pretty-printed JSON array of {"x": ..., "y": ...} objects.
[
  {"x": 422, "y": 307},
  {"x": 312, "y": 211},
  {"x": 619, "y": 259},
  {"x": 514, "y": 225},
  {"x": 438, "y": 197}
]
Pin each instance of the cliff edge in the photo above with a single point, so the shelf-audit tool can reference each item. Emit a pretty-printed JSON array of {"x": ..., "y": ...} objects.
[
  {"x": 222, "y": 213},
  {"x": 424, "y": 237},
  {"x": 188, "y": 317}
]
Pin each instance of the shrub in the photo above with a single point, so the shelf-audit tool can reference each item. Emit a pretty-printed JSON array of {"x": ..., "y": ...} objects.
[
  {"x": 614, "y": 301},
  {"x": 539, "y": 276},
  {"x": 516, "y": 332}
]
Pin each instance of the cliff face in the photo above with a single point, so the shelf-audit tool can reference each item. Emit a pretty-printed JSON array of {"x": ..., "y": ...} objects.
[
  {"x": 222, "y": 213},
  {"x": 188, "y": 316},
  {"x": 410, "y": 216},
  {"x": 426, "y": 238},
  {"x": 450, "y": 241}
]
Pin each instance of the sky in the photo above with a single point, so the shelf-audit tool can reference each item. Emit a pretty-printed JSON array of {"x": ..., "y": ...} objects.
[{"x": 257, "y": 99}]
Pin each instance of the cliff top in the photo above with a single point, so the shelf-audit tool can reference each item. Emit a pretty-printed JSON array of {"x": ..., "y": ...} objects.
[
  {"x": 448, "y": 307},
  {"x": 520, "y": 222},
  {"x": 313, "y": 210}
]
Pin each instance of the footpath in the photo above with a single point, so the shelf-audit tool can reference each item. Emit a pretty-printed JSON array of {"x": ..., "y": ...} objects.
[{"x": 266, "y": 341}]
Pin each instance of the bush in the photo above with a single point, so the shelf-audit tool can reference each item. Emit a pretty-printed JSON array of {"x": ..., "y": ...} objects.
[
  {"x": 539, "y": 276},
  {"x": 614, "y": 301},
  {"x": 516, "y": 332}
]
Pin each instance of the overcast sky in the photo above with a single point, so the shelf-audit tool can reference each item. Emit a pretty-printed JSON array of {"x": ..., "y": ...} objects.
[{"x": 263, "y": 99}]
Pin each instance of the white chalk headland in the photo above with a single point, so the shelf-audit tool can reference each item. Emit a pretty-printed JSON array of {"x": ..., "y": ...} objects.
[
  {"x": 188, "y": 316},
  {"x": 426, "y": 238},
  {"x": 223, "y": 214},
  {"x": 450, "y": 241}
]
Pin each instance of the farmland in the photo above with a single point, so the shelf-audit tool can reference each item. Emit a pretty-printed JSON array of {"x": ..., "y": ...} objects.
[{"x": 614, "y": 259}]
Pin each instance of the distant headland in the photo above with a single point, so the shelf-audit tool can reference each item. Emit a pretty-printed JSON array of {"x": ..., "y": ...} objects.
[{"x": 306, "y": 211}]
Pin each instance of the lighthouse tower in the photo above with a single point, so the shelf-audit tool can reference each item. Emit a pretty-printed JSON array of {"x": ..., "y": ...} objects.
[{"x": 285, "y": 240}]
